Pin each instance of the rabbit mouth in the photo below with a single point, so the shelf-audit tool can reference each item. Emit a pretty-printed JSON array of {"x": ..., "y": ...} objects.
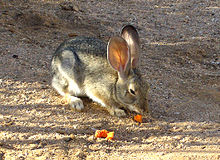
[
  {"x": 132, "y": 109},
  {"x": 135, "y": 109}
]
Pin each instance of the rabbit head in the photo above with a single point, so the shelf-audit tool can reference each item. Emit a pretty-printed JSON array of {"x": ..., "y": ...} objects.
[{"x": 123, "y": 55}]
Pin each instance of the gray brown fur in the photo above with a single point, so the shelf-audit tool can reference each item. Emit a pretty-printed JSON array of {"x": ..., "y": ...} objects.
[{"x": 81, "y": 67}]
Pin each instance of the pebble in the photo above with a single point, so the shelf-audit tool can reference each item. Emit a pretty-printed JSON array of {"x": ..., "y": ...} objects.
[
  {"x": 60, "y": 131},
  {"x": 95, "y": 147},
  {"x": 80, "y": 154},
  {"x": 91, "y": 138},
  {"x": 67, "y": 139},
  {"x": 72, "y": 136},
  {"x": 76, "y": 8},
  {"x": 189, "y": 127}
]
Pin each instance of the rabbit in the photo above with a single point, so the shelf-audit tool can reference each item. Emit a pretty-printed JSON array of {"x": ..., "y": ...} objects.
[{"x": 106, "y": 73}]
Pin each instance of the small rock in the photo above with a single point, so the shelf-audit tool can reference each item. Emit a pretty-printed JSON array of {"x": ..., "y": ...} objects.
[
  {"x": 100, "y": 140},
  {"x": 80, "y": 154},
  {"x": 95, "y": 147},
  {"x": 67, "y": 139},
  {"x": 76, "y": 8},
  {"x": 189, "y": 127},
  {"x": 72, "y": 136},
  {"x": 33, "y": 146},
  {"x": 60, "y": 131},
  {"x": 91, "y": 138}
]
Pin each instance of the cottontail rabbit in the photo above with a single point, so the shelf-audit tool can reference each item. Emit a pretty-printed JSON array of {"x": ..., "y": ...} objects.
[{"x": 107, "y": 74}]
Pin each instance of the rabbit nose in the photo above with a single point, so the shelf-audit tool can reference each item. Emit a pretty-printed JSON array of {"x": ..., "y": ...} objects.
[
  {"x": 141, "y": 111},
  {"x": 136, "y": 109}
]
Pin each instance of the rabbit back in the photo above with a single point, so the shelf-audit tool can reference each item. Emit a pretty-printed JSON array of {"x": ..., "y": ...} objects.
[{"x": 81, "y": 65}]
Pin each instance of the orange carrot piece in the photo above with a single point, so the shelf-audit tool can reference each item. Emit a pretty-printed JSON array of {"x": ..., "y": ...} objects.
[
  {"x": 101, "y": 133},
  {"x": 110, "y": 136},
  {"x": 138, "y": 118}
]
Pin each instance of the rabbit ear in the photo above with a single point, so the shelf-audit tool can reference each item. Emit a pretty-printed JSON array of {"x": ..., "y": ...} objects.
[
  {"x": 130, "y": 34},
  {"x": 118, "y": 55}
]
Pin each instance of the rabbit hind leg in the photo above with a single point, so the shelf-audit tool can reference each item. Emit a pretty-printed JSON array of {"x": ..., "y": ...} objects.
[{"x": 61, "y": 86}]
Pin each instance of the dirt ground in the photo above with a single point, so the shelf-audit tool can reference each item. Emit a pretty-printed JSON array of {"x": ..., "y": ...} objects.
[{"x": 180, "y": 43}]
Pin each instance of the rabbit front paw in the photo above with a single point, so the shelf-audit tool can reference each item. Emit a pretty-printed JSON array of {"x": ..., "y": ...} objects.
[
  {"x": 76, "y": 103},
  {"x": 119, "y": 112}
]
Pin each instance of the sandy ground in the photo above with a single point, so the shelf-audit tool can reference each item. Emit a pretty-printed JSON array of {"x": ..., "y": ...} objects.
[{"x": 180, "y": 42}]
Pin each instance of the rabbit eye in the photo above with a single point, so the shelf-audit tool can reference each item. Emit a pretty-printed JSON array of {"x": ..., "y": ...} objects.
[{"x": 132, "y": 91}]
